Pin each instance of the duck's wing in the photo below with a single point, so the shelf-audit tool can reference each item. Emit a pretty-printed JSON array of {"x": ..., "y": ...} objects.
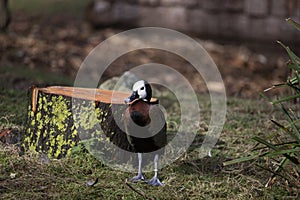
[{"x": 158, "y": 127}]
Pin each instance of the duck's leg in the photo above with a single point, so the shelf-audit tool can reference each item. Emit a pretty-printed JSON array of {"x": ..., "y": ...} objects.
[
  {"x": 155, "y": 181},
  {"x": 140, "y": 175}
]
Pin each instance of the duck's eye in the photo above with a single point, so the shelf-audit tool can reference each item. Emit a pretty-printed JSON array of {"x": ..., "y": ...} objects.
[{"x": 142, "y": 88}]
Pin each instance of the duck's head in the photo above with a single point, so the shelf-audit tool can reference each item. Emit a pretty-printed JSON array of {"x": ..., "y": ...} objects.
[{"x": 141, "y": 90}]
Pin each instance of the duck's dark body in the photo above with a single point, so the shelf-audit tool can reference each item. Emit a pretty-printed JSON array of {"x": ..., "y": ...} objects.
[
  {"x": 143, "y": 131},
  {"x": 145, "y": 127}
]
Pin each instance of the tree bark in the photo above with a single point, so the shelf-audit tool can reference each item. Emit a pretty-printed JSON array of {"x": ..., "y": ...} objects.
[{"x": 60, "y": 117}]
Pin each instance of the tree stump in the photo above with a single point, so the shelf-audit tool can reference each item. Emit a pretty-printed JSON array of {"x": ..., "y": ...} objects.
[{"x": 60, "y": 117}]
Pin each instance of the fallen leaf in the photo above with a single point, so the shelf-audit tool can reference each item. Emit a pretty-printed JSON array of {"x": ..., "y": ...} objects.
[{"x": 92, "y": 182}]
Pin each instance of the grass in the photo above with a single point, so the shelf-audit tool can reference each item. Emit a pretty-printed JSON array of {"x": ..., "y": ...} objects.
[
  {"x": 281, "y": 148},
  {"x": 14, "y": 81},
  {"x": 27, "y": 177}
]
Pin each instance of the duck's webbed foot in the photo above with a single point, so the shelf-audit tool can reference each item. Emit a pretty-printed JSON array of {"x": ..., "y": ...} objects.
[
  {"x": 139, "y": 177},
  {"x": 155, "y": 181}
]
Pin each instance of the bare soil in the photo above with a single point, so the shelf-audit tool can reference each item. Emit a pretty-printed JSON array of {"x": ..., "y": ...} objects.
[{"x": 60, "y": 44}]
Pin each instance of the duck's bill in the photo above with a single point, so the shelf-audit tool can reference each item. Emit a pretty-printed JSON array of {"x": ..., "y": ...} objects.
[{"x": 133, "y": 96}]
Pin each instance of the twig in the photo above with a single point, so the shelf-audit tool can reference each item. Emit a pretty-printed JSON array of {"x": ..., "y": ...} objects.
[
  {"x": 4, "y": 133},
  {"x": 135, "y": 190}
]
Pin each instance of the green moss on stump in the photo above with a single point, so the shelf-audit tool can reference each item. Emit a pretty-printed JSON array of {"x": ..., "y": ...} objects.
[{"x": 51, "y": 129}]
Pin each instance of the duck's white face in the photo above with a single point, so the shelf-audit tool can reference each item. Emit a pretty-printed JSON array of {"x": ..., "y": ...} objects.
[{"x": 140, "y": 88}]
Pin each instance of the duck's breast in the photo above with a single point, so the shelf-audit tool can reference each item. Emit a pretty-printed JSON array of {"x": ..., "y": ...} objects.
[{"x": 146, "y": 127}]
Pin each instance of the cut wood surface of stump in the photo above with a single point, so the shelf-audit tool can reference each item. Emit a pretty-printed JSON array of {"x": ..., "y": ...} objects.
[{"x": 60, "y": 117}]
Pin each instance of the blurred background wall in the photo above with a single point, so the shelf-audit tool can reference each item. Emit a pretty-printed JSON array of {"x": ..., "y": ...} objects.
[{"x": 252, "y": 20}]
